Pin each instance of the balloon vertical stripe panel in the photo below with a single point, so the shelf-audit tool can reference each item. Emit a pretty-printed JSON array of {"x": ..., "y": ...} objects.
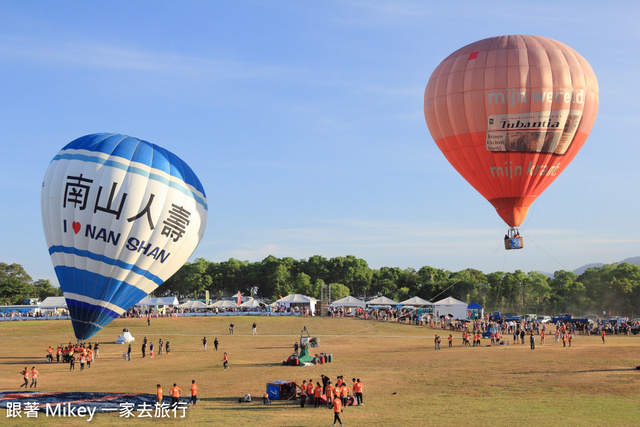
[
  {"x": 120, "y": 216},
  {"x": 510, "y": 113}
]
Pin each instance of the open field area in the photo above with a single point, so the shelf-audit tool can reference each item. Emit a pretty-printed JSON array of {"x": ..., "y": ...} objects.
[{"x": 405, "y": 381}]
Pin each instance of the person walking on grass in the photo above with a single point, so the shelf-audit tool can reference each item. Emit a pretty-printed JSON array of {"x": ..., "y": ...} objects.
[
  {"x": 204, "y": 343},
  {"x": 225, "y": 361},
  {"x": 175, "y": 395},
  {"x": 337, "y": 408},
  {"x": 215, "y": 344},
  {"x": 255, "y": 331},
  {"x": 25, "y": 376},
  {"x": 194, "y": 392},
  {"x": 34, "y": 377}
]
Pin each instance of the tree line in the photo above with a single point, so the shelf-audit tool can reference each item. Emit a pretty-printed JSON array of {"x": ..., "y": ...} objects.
[{"x": 613, "y": 288}]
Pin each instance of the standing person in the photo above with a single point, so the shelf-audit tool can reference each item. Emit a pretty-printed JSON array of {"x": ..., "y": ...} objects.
[
  {"x": 151, "y": 350},
  {"x": 317, "y": 393},
  {"x": 329, "y": 393},
  {"x": 215, "y": 344},
  {"x": 303, "y": 393},
  {"x": 542, "y": 335},
  {"x": 564, "y": 340},
  {"x": 532, "y": 340},
  {"x": 337, "y": 408},
  {"x": 59, "y": 353},
  {"x": 231, "y": 329},
  {"x": 144, "y": 347},
  {"x": 194, "y": 392},
  {"x": 225, "y": 361},
  {"x": 358, "y": 392},
  {"x": 522, "y": 336},
  {"x": 167, "y": 347},
  {"x": 451, "y": 340},
  {"x": 255, "y": 332},
  {"x": 95, "y": 350},
  {"x": 204, "y": 343},
  {"x": 72, "y": 363},
  {"x": 295, "y": 347},
  {"x": 604, "y": 334},
  {"x": 25, "y": 376},
  {"x": 175, "y": 395},
  {"x": 310, "y": 391},
  {"x": 160, "y": 345},
  {"x": 570, "y": 337},
  {"x": 83, "y": 359},
  {"x": 129, "y": 353},
  {"x": 89, "y": 358},
  {"x": 159, "y": 395}
]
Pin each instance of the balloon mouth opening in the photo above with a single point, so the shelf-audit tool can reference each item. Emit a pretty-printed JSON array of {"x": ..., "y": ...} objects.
[
  {"x": 84, "y": 330},
  {"x": 512, "y": 210}
]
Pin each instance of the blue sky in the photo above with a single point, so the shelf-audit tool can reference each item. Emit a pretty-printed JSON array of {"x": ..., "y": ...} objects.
[{"x": 304, "y": 122}]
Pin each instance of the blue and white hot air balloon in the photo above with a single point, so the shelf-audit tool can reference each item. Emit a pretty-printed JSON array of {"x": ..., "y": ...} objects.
[{"x": 120, "y": 216}]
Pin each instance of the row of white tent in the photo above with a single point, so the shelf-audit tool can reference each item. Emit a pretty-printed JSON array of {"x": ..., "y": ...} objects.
[{"x": 447, "y": 306}]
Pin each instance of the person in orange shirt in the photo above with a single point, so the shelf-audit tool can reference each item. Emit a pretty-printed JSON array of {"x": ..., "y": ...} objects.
[
  {"x": 498, "y": 338},
  {"x": 357, "y": 392},
  {"x": 604, "y": 334},
  {"x": 329, "y": 394},
  {"x": 225, "y": 361},
  {"x": 564, "y": 340},
  {"x": 175, "y": 395},
  {"x": 25, "y": 376},
  {"x": 451, "y": 340},
  {"x": 317, "y": 394},
  {"x": 542, "y": 335},
  {"x": 337, "y": 408},
  {"x": 194, "y": 392},
  {"x": 310, "y": 391},
  {"x": 50, "y": 354},
  {"x": 159, "y": 395},
  {"x": 344, "y": 394},
  {"x": 570, "y": 337},
  {"x": 34, "y": 377},
  {"x": 89, "y": 358},
  {"x": 303, "y": 393}
]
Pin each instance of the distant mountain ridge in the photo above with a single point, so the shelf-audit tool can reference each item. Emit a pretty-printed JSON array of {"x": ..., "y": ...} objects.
[
  {"x": 633, "y": 260},
  {"x": 578, "y": 271}
]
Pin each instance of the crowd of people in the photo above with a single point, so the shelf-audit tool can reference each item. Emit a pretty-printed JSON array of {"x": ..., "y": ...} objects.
[{"x": 335, "y": 396}]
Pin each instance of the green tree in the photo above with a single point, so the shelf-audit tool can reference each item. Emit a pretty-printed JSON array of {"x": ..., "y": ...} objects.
[{"x": 338, "y": 291}]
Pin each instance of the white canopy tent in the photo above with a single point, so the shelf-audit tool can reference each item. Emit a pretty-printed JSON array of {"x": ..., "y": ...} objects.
[
  {"x": 53, "y": 302},
  {"x": 382, "y": 301},
  {"x": 298, "y": 300},
  {"x": 416, "y": 302},
  {"x": 349, "y": 302},
  {"x": 451, "y": 306},
  {"x": 193, "y": 305},
  {"x": 251, "y": 304},
  {"x": 225, "y": 303}
]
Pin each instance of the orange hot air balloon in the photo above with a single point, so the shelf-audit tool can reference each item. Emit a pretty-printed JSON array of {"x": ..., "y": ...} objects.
[{"x": 510, "y": 113}]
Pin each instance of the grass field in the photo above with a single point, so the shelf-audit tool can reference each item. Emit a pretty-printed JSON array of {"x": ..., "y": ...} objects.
[{"x": 405, "y": 381}]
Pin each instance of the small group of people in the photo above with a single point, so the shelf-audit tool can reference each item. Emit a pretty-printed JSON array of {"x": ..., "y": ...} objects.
[
  {"x": 162, "y": 346},
  {"x": 335, "y": 396},
  {"x": 175, "y": 393},
  {"x": 34, "y": 377},
  {"x": 205, "y": 341}
]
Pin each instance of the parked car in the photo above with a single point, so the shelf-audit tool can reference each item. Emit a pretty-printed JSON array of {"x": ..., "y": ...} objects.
[{"x": 544, "y": 319}]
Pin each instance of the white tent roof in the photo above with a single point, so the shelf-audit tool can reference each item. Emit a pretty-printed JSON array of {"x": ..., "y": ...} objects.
[
  {"x": 53, "y": 302},
  {"x": 417, "y": 301},
  {"x": 382, "y": 301},
  {"x": 224, "y": 304},
  {"x": 450, "y": 301},
  {"x": 296, "y": 298},
  {"x": 158, "y": 301},
  {"x": 349, "y": 302},
  {"x": 192, "y": 304},
  {"x": 251, "y": 303}
]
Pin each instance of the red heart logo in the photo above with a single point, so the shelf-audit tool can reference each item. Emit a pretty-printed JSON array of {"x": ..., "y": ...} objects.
[{"x": 76, "y": 227}]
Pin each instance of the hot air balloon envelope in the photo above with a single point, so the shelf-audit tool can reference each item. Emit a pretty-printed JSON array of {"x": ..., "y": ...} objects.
[
  {"x": 120, "y": 216},
  {"x": 510, "y": 113}
]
